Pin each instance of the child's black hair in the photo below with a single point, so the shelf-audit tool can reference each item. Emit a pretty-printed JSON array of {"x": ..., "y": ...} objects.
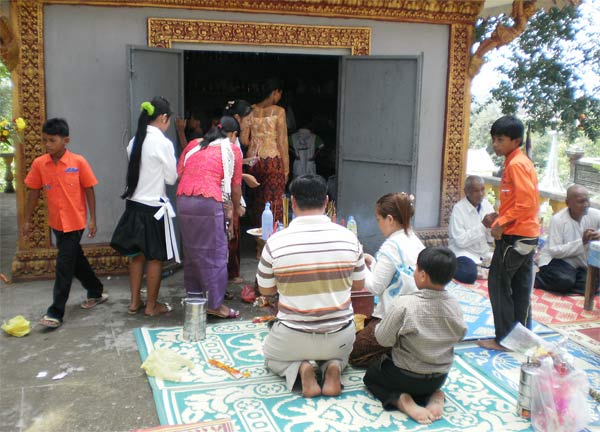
[
  {"x": 439, "y": 263},
  {"x": 509, "y": 126},
  {"x": 239, "y": 107},
  {"x": 161, "y": 106},
  {"x": 56, "y": 126},
  {"x": 226, "y": 124}
]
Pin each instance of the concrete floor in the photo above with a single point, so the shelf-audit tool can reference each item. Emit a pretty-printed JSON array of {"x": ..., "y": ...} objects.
[{"x": 104, "y": 389}]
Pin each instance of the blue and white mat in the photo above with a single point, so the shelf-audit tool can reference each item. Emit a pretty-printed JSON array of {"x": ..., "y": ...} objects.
[
  {"x": 477, "y": 313},
  {"x": 261, "y": 402}
]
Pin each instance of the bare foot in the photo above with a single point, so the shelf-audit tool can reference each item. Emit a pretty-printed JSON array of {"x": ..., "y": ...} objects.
[
  {"x": 332, "y": 383},
  {"x": 435, "y": 404},
  {"x": 407, "y": 405},
  {"x": 491, "y": 344},
  {"x": 159, "y": 309},
  {"x": 310, "y": 386}
]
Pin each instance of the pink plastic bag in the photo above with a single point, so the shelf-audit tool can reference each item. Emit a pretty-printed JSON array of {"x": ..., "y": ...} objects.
[{"x": 559, "y": 397}]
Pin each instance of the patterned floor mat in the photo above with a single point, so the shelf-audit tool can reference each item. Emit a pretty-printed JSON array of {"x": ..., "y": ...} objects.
[
  {"x": 550, "y": 308},
  {"x": 262, "y": 402},
  {"x": 477, "y": 313},
  {"x": 583, "y": 333}
]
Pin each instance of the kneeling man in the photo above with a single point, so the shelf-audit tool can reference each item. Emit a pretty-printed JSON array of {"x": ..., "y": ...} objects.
[
  {"x": 313, "y": 265},
  {"x": 563, "y": 261},
  {"x": 469, "y": 230}
]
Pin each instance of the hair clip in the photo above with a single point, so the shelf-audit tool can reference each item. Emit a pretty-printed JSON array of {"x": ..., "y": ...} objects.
[
  {"x": 219, "y": 126},
  {"x": 148, "y": 107}
]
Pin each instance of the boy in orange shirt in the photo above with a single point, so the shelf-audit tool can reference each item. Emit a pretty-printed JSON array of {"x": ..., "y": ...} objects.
[
  {"x": 68, "y": 182},
  {"x": 516, "y": 232}
]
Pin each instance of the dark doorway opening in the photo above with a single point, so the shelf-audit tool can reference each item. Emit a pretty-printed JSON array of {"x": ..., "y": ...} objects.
[{"x": 310, "y": 94}]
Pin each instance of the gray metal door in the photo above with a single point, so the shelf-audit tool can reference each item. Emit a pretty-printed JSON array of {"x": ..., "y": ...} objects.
[
  {"x": 156, "y": 72},
  {"x": 378, "y": 136}
]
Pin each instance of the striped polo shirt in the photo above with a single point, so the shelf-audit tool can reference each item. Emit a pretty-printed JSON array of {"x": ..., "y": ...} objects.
[{"x": 312, "y": 263}]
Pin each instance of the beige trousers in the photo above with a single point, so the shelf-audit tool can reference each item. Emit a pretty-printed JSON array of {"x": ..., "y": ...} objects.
[{"x": 285, "y": 349}]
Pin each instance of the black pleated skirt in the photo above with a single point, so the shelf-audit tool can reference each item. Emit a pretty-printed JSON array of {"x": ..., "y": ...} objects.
[{"x": 139, "y": 232}]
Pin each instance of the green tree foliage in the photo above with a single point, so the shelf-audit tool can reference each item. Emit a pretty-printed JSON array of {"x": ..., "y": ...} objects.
[
  {"x": 5, "y": 92},
  {"x": 5, "y": 112},
  {"x": 548, "y": 71}
]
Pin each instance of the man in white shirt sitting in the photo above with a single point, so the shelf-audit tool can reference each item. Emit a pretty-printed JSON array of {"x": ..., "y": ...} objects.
[
  {"x": 469, "y": 230},
  {"x": 563, "y": 261}
]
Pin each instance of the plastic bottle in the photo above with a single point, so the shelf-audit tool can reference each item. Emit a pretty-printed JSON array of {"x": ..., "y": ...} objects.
[
  {"x": 267, "y": 222},
  {"x": 351, "y": 225}
]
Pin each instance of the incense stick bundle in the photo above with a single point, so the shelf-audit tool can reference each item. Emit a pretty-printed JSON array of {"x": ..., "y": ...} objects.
[{"x": 285, "y": 204}]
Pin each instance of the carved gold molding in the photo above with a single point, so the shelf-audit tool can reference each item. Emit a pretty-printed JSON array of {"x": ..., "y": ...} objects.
[
  {"x": 423, "y": 11},
  {"x": 162, "y": 32},
  {"x": 29, "y": 85},
  {"x": 456, "y": 135},
  {"x": 40, "y": 263}
]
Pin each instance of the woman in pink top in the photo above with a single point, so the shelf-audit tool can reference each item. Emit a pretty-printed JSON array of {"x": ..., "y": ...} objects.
[{"x": 209, "y": 169}]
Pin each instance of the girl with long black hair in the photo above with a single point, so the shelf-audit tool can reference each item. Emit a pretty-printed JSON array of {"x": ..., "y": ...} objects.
[{"x": 145, "y": 231}]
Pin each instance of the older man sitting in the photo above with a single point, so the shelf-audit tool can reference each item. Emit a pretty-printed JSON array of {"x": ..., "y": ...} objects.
[
  {"x": 469, "y": 230},
  {"x": 563, "y": 261},
  {"x": 313, "y": 265}
]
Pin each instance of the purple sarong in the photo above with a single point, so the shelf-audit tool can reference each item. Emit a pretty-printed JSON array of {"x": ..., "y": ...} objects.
[{"x": 202, "y": 225}]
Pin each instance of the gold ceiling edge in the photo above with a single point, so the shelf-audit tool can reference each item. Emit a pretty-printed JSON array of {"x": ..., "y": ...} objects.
[{"x": 419, "y": 11}]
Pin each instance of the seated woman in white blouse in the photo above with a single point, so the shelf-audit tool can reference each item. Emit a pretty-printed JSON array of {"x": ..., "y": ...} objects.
[{"x": 390, "y": 274}]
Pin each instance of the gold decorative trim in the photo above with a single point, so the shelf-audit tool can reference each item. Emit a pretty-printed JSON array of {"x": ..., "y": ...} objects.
[
  {"x": 29, "y": 87},
  {"x": 433, "y": 236},
  {"x": 429, "y": 11},
  {"x": 162, "y": 32},
  {"x": 40, "y": 263},
  {"x": 456, "y": 135}
]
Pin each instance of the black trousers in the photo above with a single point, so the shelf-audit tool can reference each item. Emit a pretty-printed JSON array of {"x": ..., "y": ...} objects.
[
  {"x": 70, "y": 262},
  {"x": 510, "y": 282},
  {"x": 561, "y": 277},
  {"x": 387, "y": 382}
]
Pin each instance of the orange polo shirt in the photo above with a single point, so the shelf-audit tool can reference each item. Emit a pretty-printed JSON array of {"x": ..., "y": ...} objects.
[
  {"x": 519, "y": 196},
  {"x": 64, "y": 184}
]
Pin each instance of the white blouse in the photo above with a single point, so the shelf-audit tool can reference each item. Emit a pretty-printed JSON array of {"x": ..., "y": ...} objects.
[
  {"x": 158, "y": 167},
  {"x": 383, "y": 270}
]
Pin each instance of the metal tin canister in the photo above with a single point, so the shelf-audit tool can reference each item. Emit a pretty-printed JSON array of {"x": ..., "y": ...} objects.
[
  {"x": 528, "y": 370},
  {"x": 194, "y": 325}
]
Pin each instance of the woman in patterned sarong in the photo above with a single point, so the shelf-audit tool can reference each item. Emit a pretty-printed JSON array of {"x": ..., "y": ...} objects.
[
  {"x": 204, "y": 167},
  {"x": 264, "y": 132}
]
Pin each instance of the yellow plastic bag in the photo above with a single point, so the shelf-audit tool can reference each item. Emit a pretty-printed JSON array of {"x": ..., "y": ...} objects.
[
  {"x": 166, "y": 364},
  {"x": 359, "y": 322},
  {"x": 17, "y": 326}
]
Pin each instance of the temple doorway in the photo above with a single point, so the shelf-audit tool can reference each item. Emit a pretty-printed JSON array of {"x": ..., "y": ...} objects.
[{"x": 367, "y": 108}]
